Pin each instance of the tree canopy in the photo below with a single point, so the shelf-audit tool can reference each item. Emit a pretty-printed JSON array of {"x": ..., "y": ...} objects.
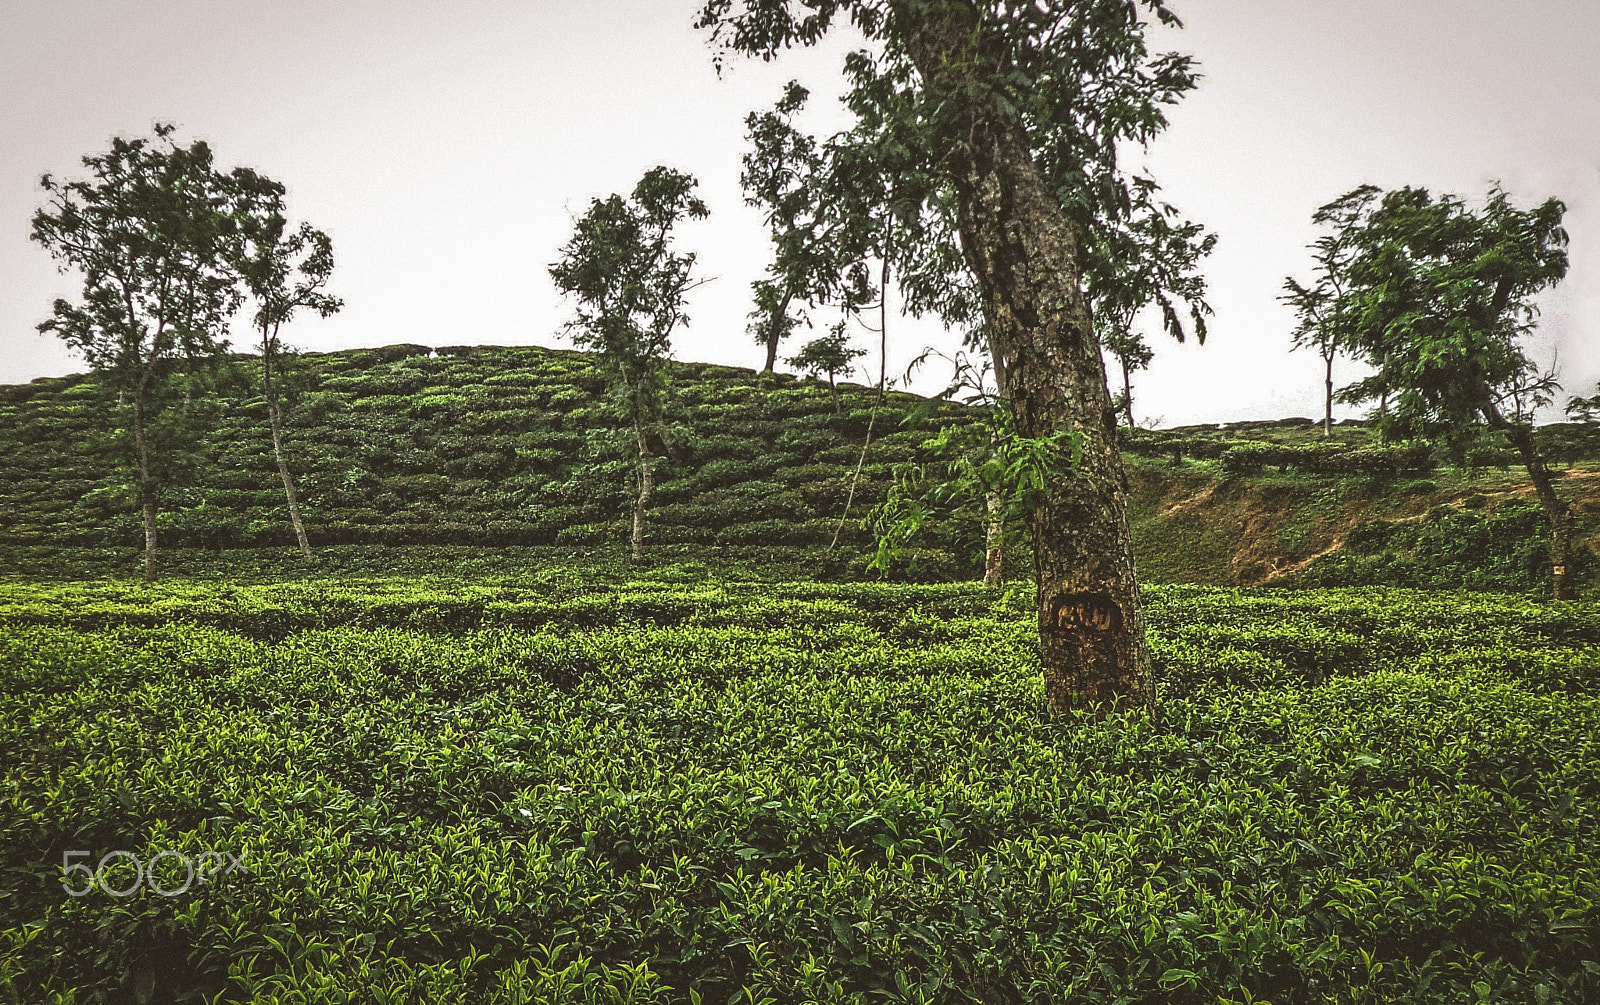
[
  {"x": 149, "y": 230},
  {"x": 630, "y": 289},
  {"x": 1081, "y": 83},
  {"x": 1438, "y": 297}
]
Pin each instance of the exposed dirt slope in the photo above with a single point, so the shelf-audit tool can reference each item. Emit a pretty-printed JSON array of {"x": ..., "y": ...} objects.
[{"x": 1193, "y": 526}]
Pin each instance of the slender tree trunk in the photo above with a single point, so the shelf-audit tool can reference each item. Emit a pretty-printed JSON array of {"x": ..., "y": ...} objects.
[
  {"x": 855, "y": 479},
  {"x": 994, "y": 542},
  {"x": 646, "y": 487},
  {"x": 274, "y": 423},
  {"x": 1127, "y": 393},
  {"x": 147, "y": 495},
  {"x": 883, "y": 384},
  {"x": 1383, "y": 399},
  {"x": 1556, "y": 510},
  {"x": 834, "y": 390},
  {"x": 994, "y": 537},
  {"x": 1327, "y": 385},
  {"x": 774, "y": 335},
  {"x": 772, "y": 353},
  {"x": 1024, "y": 255}
]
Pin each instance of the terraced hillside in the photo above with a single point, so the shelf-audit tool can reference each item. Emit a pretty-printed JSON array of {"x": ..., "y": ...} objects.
[
  {"x": 409, "y": 457},
  {"x": 487, "y": 446}
]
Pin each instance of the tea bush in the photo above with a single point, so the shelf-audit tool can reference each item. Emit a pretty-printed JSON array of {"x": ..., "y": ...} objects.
[
  {"x": 428, "y": 444},
  {"x": 1462, "y": 546},
  {"x": 520, "y": 789}
]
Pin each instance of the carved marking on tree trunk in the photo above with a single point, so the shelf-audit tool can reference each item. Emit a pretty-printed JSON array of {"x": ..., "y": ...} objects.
[{"x": 1079, "y": 613}]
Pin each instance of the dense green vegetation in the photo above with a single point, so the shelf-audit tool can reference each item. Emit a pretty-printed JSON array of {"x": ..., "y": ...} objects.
[
  {"x": 518, "y": 790},
  {"x": 483, "y": 446},
  {"x": 508, "y": 457}
]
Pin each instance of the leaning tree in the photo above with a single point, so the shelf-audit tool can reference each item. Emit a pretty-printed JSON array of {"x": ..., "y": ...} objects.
[
  {"x": 1440, "y": 298},
  {"x": 630, "y": 288},
  {"x": 986, "y": 104},
  {"x": 148, "y": 230},
  {"x": 285, "y": 269}
]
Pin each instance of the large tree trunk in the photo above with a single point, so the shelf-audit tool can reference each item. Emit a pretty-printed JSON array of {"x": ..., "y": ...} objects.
[
  {"x": 274, "y": 422},
  {"x": 147, "y": 489},
  {"x": 1556, "y": 510},
  {"x": 1024, "y": 255},
  {"x": 646, "y": 487}
]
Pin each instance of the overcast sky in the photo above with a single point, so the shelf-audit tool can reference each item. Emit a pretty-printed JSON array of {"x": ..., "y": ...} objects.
[{"x": 446, "y": 148}]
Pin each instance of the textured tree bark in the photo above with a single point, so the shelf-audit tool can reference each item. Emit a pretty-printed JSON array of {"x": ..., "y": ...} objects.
[
  {"x": 1024, "y": 255},
  {"x": 1556, "y": 510},
  {"x": 994, "y": 537},
  {"x": 275, "y": 424},
  {"x": 147, "y": 499},
  {"x": 646, "y": 487}
]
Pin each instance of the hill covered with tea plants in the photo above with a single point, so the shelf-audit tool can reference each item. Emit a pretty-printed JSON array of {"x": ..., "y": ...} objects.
[
  {"x": 407, "y": 456},
  {"x": 486, "y": 446}
]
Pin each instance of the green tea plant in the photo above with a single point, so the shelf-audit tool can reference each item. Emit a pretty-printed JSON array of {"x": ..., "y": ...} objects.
[{"x": 518, "y": 789}]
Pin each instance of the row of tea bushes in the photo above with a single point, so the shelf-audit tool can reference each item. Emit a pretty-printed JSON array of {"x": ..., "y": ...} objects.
[
  {"x": 794, "y": 793},
  {"x": 487, "y": 446},
  {"x": 1328, "y": 459},
  {"x": 1470, "y": 545}
]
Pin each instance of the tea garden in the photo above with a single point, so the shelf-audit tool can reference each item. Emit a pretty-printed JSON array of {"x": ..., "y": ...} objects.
[{"x": 538, "y": 788}]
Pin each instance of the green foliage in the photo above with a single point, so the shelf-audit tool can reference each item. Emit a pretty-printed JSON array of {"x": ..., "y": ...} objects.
[
  {"x": 1437, "y": 297},
  {"x": 1452, "y": 547},
  {"x": 1328, "y": 458},
  {"x": 831, "y": 354},
  {"x": 971, "y": 462},
  {"x": 620, "y": 269},
  {"x": 148, "y": 230},
  {"x": 1324, "y": 316},
  {"x": 495, "y": 447},
  {"x": 515, "y": 790}
]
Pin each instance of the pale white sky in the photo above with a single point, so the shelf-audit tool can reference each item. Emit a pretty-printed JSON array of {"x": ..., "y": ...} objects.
[{"x": 445, "y": 148}]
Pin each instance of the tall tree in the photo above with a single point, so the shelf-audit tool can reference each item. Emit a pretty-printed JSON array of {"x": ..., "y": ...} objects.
[
  {"x": 989, "y": 102},
  {"x": 1442, "y": 300},
  {"x": 631, "y": 288},
  {"x": 1321, "y": 310},
  {"x": 148, "y": 230},
  {"x": 815, "y": 260},
  {"x": 1132, "y": 354},
  {"x": 285, "y": 271}
]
